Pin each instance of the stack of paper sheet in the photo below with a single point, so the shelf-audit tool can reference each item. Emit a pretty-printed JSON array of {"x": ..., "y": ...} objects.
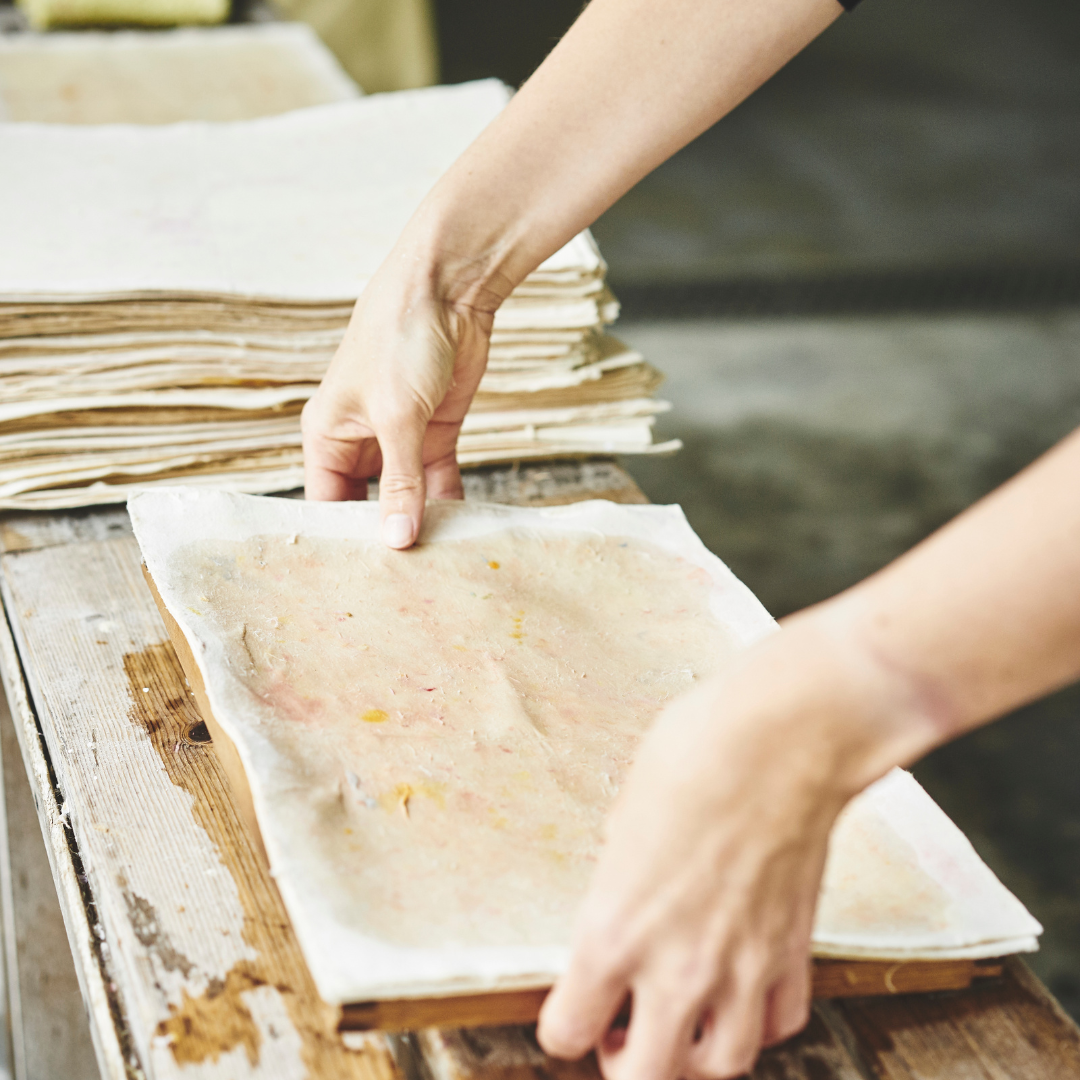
[
  {"x": 170, "y": 296},
  {"x": 432, "y": 740},
  {"x": 159, "y": 77}
]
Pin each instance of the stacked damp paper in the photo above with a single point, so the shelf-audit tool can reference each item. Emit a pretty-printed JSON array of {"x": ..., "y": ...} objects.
[
  {"x": 160, "y": 77},
  {"x": 171, "y": 296}
]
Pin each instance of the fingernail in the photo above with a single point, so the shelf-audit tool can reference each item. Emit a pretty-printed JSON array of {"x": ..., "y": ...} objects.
[{"x": 397, "y": 531}]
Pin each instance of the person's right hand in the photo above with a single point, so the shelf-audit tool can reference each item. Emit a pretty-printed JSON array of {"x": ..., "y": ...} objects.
[
  {"x": 393, "y": 400},
  {"x": 700, "y": 909}
]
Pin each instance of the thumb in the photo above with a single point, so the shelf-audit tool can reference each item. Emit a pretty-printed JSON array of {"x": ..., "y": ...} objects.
[{"x": 401, "y": 485}]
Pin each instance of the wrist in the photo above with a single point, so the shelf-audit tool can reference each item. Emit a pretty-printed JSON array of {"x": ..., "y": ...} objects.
[
  {"x": 869, "y": 712},
  {"x": 446, "y": 252}
]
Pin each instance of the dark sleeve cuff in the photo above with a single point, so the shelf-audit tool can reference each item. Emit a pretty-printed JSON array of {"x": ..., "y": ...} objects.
[{"x": 848, "y": 5}]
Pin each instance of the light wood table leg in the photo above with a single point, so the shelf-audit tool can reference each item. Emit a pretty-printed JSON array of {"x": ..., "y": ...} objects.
[{"x": 49, "y": 1031}]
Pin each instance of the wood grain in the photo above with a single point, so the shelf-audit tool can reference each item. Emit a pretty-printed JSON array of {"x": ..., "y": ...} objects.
[
  {"x": 552, "y": 484},
  {"x": 512, "y": 1053},
  {"x": 223, "y": 747},
  {"x": 28, "y": 532},
  {"x": 1006, "y": 1029},
  {"x": 109, "y": 1028}
]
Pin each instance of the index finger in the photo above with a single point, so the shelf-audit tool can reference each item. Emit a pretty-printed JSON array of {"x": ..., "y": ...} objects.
[{"x": 578, "y": 1012}]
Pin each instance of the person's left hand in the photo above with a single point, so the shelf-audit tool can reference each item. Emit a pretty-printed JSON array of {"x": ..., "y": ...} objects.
[{"x": 393, "y": 400}]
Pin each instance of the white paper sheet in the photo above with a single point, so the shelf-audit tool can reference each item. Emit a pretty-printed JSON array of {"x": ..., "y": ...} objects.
[{"x": 303, "y": 206}]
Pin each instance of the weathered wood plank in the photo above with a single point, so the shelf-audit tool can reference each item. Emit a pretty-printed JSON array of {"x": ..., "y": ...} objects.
[
  {"x": 495, "y": 1053},
  {"x": 27, "y": 532},
  {"x": 109, "y": 1030},
  {"x": 145, "y": 742},
  {"x": 199, "y": 946},
  {"x": 552, "y": 483},
  {"x": 1007, "y": 1029},
  {"x": 512, "y": 1053}
]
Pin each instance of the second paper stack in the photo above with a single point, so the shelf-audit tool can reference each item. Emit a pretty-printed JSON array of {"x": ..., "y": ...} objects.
[{"x": 170, "y": 296}]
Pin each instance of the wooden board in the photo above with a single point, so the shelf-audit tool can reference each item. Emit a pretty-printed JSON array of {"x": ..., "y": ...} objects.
[
  {"x": 153, "y": 782},
  {"x": 190, "y": 965}
]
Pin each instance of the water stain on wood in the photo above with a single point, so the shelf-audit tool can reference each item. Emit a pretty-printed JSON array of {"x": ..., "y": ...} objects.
[
  {"x": 144, "y": 921},
  {"x": 206, "y": 1025}
]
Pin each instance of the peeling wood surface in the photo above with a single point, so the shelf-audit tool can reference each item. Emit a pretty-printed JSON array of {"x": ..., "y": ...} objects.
[
  {"x": 199, "y": 956},
  {"x": 28, "y": 532},
  {"x": 184, "y": 952},
  {"x": 108, "y": 1027}
]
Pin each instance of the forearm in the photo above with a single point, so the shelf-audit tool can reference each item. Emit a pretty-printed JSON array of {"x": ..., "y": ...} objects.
[
  {"x": 629, "y": 84},
  {"x": 975, "y": 621}
]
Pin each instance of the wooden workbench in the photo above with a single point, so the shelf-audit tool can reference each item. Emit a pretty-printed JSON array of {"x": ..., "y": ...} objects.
[{"x": 186, "y": 959}]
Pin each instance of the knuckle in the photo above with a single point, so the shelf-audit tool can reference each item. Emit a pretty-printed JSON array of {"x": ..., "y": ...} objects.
[
  {"x": 698, "y": 976},
  {"x": 608, "y": 945},
  {"x": 401, "y": 413},
  {"x": 312, "y": 419},
  {"x": 400, "y": 483}
]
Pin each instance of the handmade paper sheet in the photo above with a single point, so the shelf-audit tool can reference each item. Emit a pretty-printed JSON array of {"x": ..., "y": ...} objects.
[
  {"x": 433, "y": 738},
  {"x": 299, "y": 207},
  {"x": 129, "y": 76}
]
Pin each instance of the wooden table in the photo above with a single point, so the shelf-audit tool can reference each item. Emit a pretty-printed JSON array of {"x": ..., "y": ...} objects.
[{"x": 186, "y": 959}]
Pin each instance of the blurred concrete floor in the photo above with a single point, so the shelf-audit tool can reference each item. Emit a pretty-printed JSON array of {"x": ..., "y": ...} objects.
[{"x": 819, "y": 449}]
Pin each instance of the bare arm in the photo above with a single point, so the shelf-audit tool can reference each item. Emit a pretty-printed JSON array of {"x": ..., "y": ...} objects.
[
  {"x": 986, "y": 615},
  {"x": 630, "y": 83},
  {"x": 703, "y": 901}
]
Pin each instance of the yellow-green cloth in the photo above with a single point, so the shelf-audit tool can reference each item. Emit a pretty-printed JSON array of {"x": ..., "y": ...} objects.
[
  {"x": 43, "y": 14},
  {"x": 382, "y": 44}
]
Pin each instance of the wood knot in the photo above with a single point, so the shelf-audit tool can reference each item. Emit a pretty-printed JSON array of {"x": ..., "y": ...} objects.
[{"x": 197, "y": 734}]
